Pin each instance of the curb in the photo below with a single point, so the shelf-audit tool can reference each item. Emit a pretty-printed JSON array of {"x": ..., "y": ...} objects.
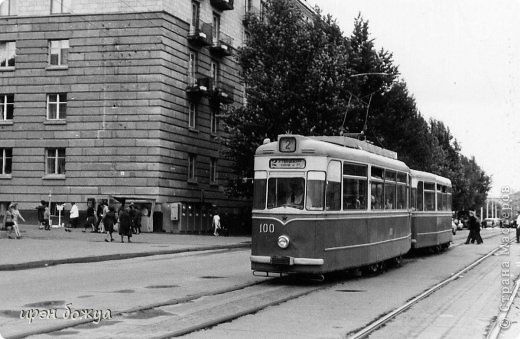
[{"x": 109, "y": 257}]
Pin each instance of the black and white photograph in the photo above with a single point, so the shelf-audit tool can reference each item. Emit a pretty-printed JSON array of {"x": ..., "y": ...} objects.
[{"x": 260, "y": 169}]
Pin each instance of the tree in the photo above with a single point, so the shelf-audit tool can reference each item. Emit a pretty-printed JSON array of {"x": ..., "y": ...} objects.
[
  {"x": 306, "y": 78},
  {"x": 295, "y": 78}
]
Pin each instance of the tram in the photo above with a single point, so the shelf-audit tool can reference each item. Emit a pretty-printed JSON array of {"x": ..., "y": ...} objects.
[
  {"x": 324, "y": 204},
  {"x": 431, "y": 197}
]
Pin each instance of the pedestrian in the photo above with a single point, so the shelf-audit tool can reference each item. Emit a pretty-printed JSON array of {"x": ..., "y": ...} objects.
[
  {"x": 8, "y": 220},
  {"x": 125, "y": 224},
  {"x": 91, "y": 219},
  {"x": 133, "y": 214},
  {"x": 216, "y": 224},
  {"x": 108, "y": 222},
  {"x": 46, "y": 218},
  {"x": 99, "y": 215},
  {"x": 15, "y": 215},
  {"x": 518, "y": 227},
  {"x": 74, "y": 215},
  {"x": 137, "y": 220},
  {"x": 474, "y": 229},
  {"x": 41, "y": 208}
]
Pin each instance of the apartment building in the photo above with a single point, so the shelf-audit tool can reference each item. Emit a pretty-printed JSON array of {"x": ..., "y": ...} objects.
[{"x": 119, "y": 100}]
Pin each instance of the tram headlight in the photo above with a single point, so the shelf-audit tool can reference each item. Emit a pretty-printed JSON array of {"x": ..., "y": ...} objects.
[{"x": 283, "y": 241}]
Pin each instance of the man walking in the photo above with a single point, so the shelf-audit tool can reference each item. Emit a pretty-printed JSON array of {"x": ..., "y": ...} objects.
[
  {"x": 474, "y": 229},
  {"x": 518, "y": 227},
  {"x": 216, "y": 224}
]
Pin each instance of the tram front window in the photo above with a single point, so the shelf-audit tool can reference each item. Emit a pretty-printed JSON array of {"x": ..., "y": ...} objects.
[{"x": 286, "y": 192}]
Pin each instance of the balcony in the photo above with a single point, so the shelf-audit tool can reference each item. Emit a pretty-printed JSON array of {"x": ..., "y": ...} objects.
[
  {"x": 251, "y": 13},
  {"x": 200, "y": 35},
  {"x": 222, "y": 5},
  {"x": 222, "y": 93},
  {"x": 222, "y": 45},
  {"x": 198, "y": 86}
]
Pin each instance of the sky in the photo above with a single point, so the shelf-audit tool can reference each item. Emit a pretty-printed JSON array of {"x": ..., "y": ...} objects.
[{"x": 460, "y": 60}]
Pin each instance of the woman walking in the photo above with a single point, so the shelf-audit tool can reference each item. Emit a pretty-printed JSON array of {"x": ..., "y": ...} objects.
[
  {"x": 125, "y": 224},
  {"x": 108, "y": 222},
  {"x": 15, "y": 215}
]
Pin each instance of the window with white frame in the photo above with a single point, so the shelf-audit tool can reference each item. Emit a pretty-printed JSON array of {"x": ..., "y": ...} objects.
[
  {"x": 192, "y": 158},
  {"x": 215, "y": 73},
  {"x": 213, "y": 170},
  {"x": 216, "y": 28},
  {"x": 58, "y": 52},
  {"x": 192, "y": 115},
  {"x": 6, "y": 107},
  {"x": 214, "y": 121},
  {"x": 7, "y": 7},
  {"x": 6, "y": 160},
  {"x": 7, "y": 54},
  {"x": 195, "y": 14},
  {"x": 55, "y": 161},
  {"x": 192, "y": 68},
  {"x": 56, "y": 106},
  {"x": 60, "y": 6}
]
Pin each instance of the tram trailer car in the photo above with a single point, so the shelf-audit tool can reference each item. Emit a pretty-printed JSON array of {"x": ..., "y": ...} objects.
[
  {"x": 431, "y": 210},
  {"x": 324, "y": 204}
]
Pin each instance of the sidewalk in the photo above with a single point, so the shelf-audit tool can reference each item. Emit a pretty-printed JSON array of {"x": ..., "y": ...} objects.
[{"x": 39, "y": 248}]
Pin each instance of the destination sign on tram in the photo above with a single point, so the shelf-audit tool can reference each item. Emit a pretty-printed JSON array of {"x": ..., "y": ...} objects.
[{"x": 287, "y": 163}]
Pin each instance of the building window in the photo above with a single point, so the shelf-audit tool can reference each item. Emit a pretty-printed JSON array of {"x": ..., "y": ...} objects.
[
  {"x": 215, "y": 73},
  {"x": 6, "y": 106},
  {"x": 6, "y": 160},
  {"x": 216, "y": 28},
  {"x": 7, "y": 54},
  {"x": 195, "y": 14},
  {"x": 192, "y": 115},
  {"x": 55, "y": 159},
  {"x": 60, "y": 6},
  {"x": 58, "y": 52},
  {"x": 192, "y": 158},
  {"x": 7, "y": 7},
  {"x": 214, "y": 121},
  {"x": 56, "y": 106},
  {"x": 213, "y": 171},
  {"x": 192, "y": 67}
]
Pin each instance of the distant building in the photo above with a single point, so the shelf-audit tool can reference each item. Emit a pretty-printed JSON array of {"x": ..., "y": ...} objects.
[{"x": 120, "y": 100}]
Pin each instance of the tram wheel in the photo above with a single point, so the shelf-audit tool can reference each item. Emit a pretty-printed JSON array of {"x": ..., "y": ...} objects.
[
  {"x": 371, "y": 269},
  {"x": 398, "y": 261}
]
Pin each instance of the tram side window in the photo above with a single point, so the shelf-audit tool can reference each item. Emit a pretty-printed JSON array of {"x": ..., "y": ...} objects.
[
  {"x": 260, "y": 184},
  {"x": 376, "y": 189},
  {"x": 333, "y": 191},
  {"x": 401, "y": 191},
  {"x": 420, "y": 195},
  {"x": 413, "y": 198},
  {"x": 439, "y": 198},
  {"x": 444, "y": 198},
  {"x": 449, "y": 198},
  {"x": 390, "y": 188},
  {"x": 429, "y": 196},
  {"x": 354, "y": 194},
  {"x": 354, "y": 186},
  {"x": 315, "y": 190}
]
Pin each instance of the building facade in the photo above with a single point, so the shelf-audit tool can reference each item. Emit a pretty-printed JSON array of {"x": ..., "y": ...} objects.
[{"x": 119, "y": 100}]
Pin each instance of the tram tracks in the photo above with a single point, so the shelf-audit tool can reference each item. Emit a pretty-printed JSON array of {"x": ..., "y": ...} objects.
[
  {"x": 197, "y": 312},
  {"x": 181, "y": 316},
  {"x": 378, "y": 323}
]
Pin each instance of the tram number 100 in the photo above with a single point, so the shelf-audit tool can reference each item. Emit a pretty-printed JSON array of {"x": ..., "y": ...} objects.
[{"x": 266, "y": 228}]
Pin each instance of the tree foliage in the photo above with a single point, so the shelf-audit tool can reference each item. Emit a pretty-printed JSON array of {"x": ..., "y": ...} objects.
[{"x": 305, "y": 77}]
